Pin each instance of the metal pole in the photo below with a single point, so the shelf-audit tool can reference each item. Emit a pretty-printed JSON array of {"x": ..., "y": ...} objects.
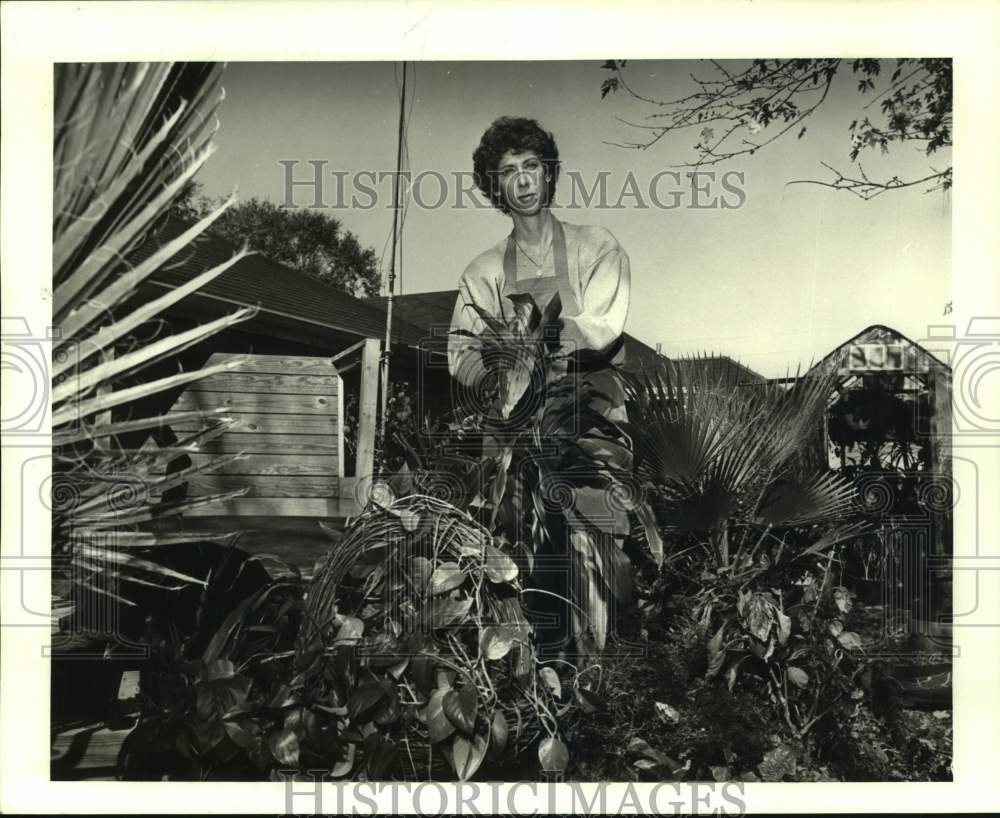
[{"x": 392, "y": 263}]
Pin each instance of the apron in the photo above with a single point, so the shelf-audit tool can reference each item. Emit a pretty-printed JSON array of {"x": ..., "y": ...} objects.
[{"x": 574, "y": 566}]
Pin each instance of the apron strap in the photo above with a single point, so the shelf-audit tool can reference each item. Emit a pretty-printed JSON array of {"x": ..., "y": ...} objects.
[{"x": 558, "y": 257}]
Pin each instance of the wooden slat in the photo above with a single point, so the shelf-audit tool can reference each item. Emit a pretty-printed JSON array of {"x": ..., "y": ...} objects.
[
  {"x": 262, "y": 403},
  {"x": 258, "y": 382},
  {"x": 281, "y": 364},
  {"x": 257, "y": 423},
  {"x": 317, "y": 507},
  {"x": 88, "y": 752},
  {"x": 340, "y": 425},
  {"x": 260, "y": 443},
  {"x": 275, "y": 465},
  {"x": 367, "y": 409},
  {"x": 201, "y": 485}
]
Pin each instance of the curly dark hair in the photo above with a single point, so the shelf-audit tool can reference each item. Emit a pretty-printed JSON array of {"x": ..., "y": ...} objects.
[{"x": 517, "y": 135}]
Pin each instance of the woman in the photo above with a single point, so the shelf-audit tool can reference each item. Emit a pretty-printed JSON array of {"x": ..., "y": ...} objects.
[{"x": 516, "y": 166}]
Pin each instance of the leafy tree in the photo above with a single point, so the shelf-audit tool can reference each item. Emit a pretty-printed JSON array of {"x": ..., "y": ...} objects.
[
  {"x": 738, "y": 112},
  {"x": 307, "y": 240}
]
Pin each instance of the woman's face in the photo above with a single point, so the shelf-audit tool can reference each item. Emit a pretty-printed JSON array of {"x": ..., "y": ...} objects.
[{"x": 522, "y": 182}]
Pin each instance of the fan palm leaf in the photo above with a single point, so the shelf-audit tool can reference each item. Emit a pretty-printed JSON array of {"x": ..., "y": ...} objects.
[
  {"x": 714, "y": 448},
  {"x": 128, "y": 138}
]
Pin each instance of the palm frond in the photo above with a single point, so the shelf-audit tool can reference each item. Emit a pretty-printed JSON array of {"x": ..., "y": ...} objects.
[
  {"x": 127, "y": 139},
  {"x": 803, "y": 500}
]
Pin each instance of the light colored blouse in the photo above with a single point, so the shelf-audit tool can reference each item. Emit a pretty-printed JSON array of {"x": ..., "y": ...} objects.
[{"x": 598, "y": 270}]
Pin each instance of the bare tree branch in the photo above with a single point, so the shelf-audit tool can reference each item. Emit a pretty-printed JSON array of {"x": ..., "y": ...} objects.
[{"x": 731, "y": 107}]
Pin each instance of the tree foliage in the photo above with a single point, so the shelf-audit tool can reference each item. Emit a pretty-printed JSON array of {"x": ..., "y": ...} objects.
[
  {"x": 738, "y": 112},
  {"x": 310, "y": 241}
]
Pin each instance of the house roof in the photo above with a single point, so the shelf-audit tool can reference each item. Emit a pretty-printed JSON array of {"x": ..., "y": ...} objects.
[
  {"x": 432, "y": 313},
  {"x": 282, "y": 294},
  {"x": 287, "y": 298},
  {"x": 720, "y": 368}
]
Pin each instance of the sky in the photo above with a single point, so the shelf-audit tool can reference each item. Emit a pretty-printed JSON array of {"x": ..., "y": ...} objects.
[{"x": 775, "y": 283}]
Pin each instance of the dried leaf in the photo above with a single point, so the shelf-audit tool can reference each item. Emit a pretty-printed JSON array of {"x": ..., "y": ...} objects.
[
  {"x": 842, "y": 599},
  {"x": 798, "y": 677},
  {"x": 667, "y": 713},
  {"x": 759, "y": 617},
  {"x": 716, "y": 652},
  {"x": 778, "y": 763}
]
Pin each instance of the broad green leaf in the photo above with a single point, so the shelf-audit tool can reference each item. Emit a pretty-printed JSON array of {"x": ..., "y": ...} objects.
[
  {"x": 784, "y": 627},
  {"x": 553, "y": 755},
  {"x": 238, "y": 732},
  {"x": 438, "y": 723},
  {"x": 446, "y": 577},
  {"x": 498, "y": 566},
  {"x": 219, "y": 669},
  {"x": 379, "y": 755},
  {"x": 284, "y": 745},
  {"x": 388, "y": 711},
  {"x": 468, "y": 755},
  {"x": 798, "y": 677},
  {"x": 551, "y": 679},
  {"x": 850, "y": 640},
  {"x": 363, "y": 700},
  {"x": 496, "y": 641},
  {"x": 422, "y": 670},
  {"x": 589, "y": 701},
  {"x": 345, "y": 765},
  {"x": 460, "y": 707},
  {"x": 498, "y": 733}
]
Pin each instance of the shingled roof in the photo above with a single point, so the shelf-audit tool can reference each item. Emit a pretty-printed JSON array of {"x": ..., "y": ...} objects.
[
  {"x": 281, "y": 293},
  {"x": 719, "y": 368}
]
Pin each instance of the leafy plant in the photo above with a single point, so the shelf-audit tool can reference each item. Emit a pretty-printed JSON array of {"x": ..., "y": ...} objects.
[
  {"x": 758, "y": 532},
  {"x": 423, "y": 606},
  {"x": 217, "y": 704},
  {"x": 128, "y": 138}
]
